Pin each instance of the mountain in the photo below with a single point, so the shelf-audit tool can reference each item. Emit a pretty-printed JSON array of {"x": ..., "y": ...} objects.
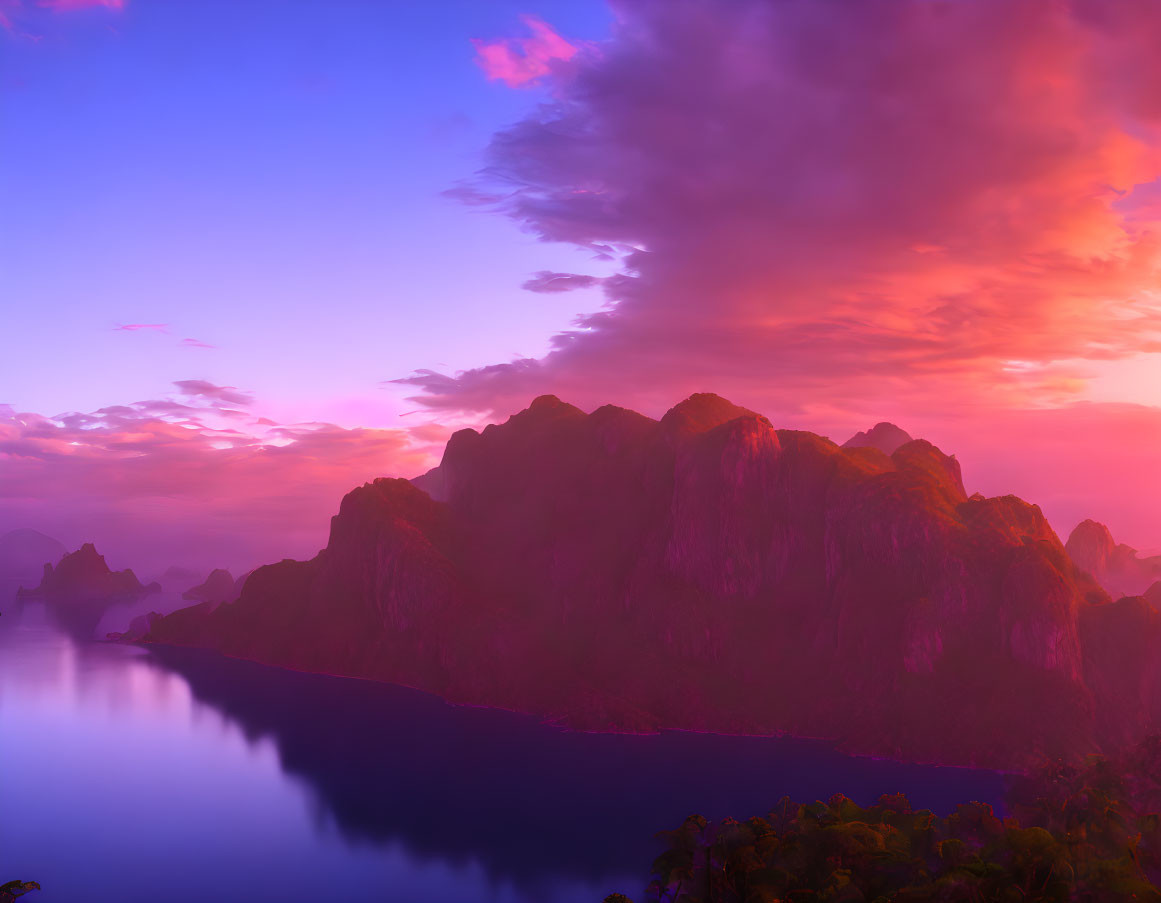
[
  {"x": 83, "y": 576},
  {"x": 24, "y": 553},
  {"x": 176, "y": 576},
  {"x": 1117, "y": 567},
  {"x": 710, "y": 572},
  {"x": 217, "y": 589},
  {"x": 886, "y": 437}
]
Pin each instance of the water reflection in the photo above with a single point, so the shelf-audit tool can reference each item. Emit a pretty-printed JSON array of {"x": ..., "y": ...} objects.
[
  {"x": 166, "y": 765},
  {"x": 527, "y": 800}
]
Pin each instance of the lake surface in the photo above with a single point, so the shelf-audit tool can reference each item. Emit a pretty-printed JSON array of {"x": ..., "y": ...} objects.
[{"x": 132, "y": 775}]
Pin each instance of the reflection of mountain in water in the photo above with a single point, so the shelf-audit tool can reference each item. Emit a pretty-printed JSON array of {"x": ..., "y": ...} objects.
[{"x": 526, "y": 800}]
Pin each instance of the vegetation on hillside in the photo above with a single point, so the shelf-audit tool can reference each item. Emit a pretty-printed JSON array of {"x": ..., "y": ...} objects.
[{"x": 1074, "y": 832}]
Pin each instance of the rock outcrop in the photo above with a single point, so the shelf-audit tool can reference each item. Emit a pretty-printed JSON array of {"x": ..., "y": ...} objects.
[
  {"x": 1117, "y": 567},
  {"x": 710, "y": 572},
  {"x": 217, "y": 589},
  {"x": 886, "y": 437},
  {"x": 83, "y": 576}
]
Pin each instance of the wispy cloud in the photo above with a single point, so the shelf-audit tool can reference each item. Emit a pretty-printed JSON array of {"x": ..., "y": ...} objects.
[
  {"x": 137, "y": 327},
  {"x": 547, "y": 282},
  {"x": 195, "y": 343},
  {"x": 200, "y": 388},
  {"x": 70, "y": 5}
]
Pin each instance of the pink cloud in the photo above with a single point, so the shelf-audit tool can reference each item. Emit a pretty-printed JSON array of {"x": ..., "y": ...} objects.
[
  {"x": 843, "y": 206},
  {"x": 162, "y": 481},
  {"x": 137, "y": 327},
  {"x": 520, "y": 62},
  {"x": 195, "y": 343},
  {"x": 70, "y": 5}
]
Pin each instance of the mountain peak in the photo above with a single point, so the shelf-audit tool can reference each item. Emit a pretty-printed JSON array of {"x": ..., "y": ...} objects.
[
  {"x": 701, "y": 412},
  {"x": 84, "y": 574},
  {"x": 546, "y": 407},
  {"x": 25, "y": 533},
  {"x": 546, "y": 402},
  {"x": 1116, "y": 566},
  {"x": 884, "y": 436},
  {"x": 1091, "y": 545},
  {"x": 217, "y": 588}
]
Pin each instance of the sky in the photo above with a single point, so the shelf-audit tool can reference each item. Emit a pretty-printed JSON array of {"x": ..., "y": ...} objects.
[{"x": 255, "y": 254}]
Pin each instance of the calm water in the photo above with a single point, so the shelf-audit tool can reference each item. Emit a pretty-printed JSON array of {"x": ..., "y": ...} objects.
[{"x": 139, "y": 776}]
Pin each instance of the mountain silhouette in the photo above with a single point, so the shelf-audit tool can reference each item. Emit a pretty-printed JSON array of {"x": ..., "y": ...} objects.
[{"x": 710, "y": 572}]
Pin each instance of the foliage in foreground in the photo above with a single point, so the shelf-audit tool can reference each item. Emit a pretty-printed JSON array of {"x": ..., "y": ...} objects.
[
  {"x": 14, "y": 889},
  {"x": 1084, "y": 832}
]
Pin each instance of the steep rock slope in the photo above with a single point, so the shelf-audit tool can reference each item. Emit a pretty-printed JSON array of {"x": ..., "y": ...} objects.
[{"x": 708, "y": 571}]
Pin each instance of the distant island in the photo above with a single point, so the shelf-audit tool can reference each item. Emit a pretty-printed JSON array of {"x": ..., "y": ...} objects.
[
  {"x": 710, "y": 572},
  {"x": 84, "y": 576}
]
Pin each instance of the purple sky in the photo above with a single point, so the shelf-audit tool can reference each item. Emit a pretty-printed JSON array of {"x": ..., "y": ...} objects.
[{"x": 265, "y": 178}]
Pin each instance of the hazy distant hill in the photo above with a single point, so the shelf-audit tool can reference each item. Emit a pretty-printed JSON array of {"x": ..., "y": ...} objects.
[
  {"x": 23, "y": 555},
  {"x": 708, "y": 571},
  {"x": 83, "y": 576},
  {"x": 886, "y": 437},
  {"x": 218, "y": 588},
  {"x": 1117, "y": 567}
]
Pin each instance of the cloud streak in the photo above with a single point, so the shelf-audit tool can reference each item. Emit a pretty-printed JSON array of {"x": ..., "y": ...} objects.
[
  {"x": 203, "y": 389},
  {"x": 546, "y": 282},
  {"x": 72, "y": 5}
]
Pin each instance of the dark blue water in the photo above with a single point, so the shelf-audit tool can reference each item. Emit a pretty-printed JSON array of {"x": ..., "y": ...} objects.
[{"x": 139, "y": 776}]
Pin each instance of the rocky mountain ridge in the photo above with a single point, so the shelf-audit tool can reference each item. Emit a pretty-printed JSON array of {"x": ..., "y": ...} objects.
[{"x": 710, "y": 572}]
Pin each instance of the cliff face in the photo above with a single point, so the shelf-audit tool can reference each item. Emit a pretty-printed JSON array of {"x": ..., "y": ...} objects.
[
  {"x": 1117, "y": 567},
  {"x": 708, "y": 571},
  {"x": 83, "y": 575}
]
